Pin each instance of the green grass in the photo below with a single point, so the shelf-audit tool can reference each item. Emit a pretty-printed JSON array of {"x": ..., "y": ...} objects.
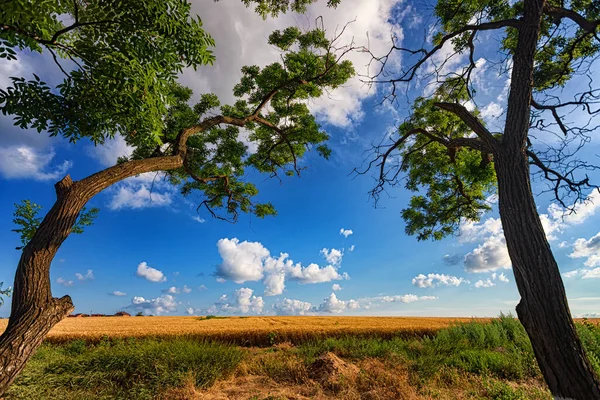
[
  {"x": 495, "y": 360},
  {"x": 122, "y": 369}
]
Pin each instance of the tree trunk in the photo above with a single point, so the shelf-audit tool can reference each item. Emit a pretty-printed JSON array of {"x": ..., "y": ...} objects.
[
  {"x": 543, "y": 309},
  {"x": 34, "y": 311}
]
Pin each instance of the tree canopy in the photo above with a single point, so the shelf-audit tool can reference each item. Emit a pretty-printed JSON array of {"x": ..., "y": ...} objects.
[
  {"x": 120, "y": 78},
  {"x": 446, "y": 148}
]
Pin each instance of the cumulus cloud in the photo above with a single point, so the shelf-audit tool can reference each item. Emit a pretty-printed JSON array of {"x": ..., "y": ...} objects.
[
  {"x": 491, "y": 112},
  {"x": 251, "y": 261},
  {"x": 25, "y": 162},
  {"x": 492, "y": 254},
  {"x": 202, "y": 288},
  {"x": 292, "y": 307},
  {"x": 346, "y": 232},
  {"x": 491, "y": 281},
  {"x": 186, "y": 289},
  {"x": 333, "y": 256},
  {"x": 243, "y": 301},
  {"x": 132, "y": 196},
  {"x": 64, "y": 282},
  {"x": 432, "y": 280},
  {"x": 336, "y": 287},
  {"x": 109, "y": 152},
  {"x": 171, "y": 290},
  {"x": 89, "y": 275},
  {"x": 331, "y": 304},
  {"x": 351, "y": 249},
  {"x": 589, "y": 249},
  {"x": 149, "y": 273},
  {"x": 157, "y": 306},
  {"x": 198, "y": 219},
  {"x": 118, "y": 293},
  {"x": 583, "y": 273}
]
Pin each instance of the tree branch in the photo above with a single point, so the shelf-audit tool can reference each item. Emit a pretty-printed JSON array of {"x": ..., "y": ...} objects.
[{"x": 472, "y": 122}]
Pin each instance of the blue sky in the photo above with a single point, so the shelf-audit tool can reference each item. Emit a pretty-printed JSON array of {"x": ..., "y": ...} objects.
[{"x": 150, "y": 251}]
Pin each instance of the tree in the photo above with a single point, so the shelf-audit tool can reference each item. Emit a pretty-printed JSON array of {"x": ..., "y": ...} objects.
[
  {"x": 451, "y": 158},
  {"x": 121, "y": 79}
]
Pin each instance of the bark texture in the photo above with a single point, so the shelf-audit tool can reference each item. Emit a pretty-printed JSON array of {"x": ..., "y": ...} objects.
[{"x": 543, "y": 309}]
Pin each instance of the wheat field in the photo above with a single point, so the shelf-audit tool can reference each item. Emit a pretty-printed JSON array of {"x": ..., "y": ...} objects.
[{"x": 244, "y": 330}]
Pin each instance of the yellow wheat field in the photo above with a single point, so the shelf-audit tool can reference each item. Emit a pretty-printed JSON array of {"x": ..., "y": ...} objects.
[{"x": 244, "y": 330}]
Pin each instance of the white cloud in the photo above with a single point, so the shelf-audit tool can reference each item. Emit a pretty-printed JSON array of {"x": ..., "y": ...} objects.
[
  {"x": 198, "y": 219},
  {"x": 202, "y": 288},
  {"x": 432, "y": 280},
  {"x": 243, "y": 301},
  {"x": 490, "y": 282},
  {"x": 108, "y": 152},
  {"x": 484, "y": 284},
  {"x": 87, "y": 277},
  {"x": 171, "y": 290},
  {"x": 336, "y": 287},
  {"x": 491, "y": 112},
  {"x": 160, "y": 305},
  {"x": 127, "y": 195},
  {"x": 333, "y": 256},
  {"x": 583, "y": 273},
  {"x": 149, "y": 273},
  {"x": 346, "y": 232},
  {"x": 405, "y": 298},
  {"x": 251, "y": 261},
  {"x": 292, "y": 307},
  {"x": 491, "y": 255},
  {"x": 186, "y": 289},
  {"x": 332, "y": 304},
  {"x": 351, "y": 249},
  {"x": 24, "y": 162},
  {"x": 64, "y": 282},
  {"x": 241, "y": 261},
  {"x": 589, "y": 249},
  {"x": 118, "y": 293}
]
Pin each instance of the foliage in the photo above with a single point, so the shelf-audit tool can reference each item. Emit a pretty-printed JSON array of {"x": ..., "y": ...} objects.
[
  {"x": 26, "y": 216},
  {"x": 453, "y": 183},
  {"x": 126, "y": 57},
  {"x": 4, "y": 292},
  {"x": 446, "y": 156},
  {"x": 275, "y": 7}
]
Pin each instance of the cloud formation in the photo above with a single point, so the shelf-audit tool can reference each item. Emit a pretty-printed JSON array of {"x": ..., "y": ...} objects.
[
  {"x": 157, "y": 306},
  {"x": 118, "y": 293},
  {"x": 87, "y": 277},
  {"x": 292, "y": 307},
  {"x": 432, "y": 280},
  {"x": 251, "y": 261},
  {"x": 149, "y": 273},
  {"x": 24, "y": 162},
  {"x": 243, "y": 301},
  {"x": 64, "y": 282},
  {"x": 346, "y": 232}
]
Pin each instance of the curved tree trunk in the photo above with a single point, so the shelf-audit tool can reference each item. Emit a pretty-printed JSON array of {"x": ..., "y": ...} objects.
[
  {"x": 34, "y": 311},
  {"x": 543, "y": 309}
]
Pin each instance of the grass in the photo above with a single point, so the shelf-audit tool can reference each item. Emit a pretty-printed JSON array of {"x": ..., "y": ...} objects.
[
  {"x": 471, "y": 360},
  {"x": 133, "y": 368}
]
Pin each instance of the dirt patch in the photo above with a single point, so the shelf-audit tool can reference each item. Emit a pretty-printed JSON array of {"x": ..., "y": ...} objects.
[
  {"x": 333, "y": 373},
  {"x": 260, "y": 387}
]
